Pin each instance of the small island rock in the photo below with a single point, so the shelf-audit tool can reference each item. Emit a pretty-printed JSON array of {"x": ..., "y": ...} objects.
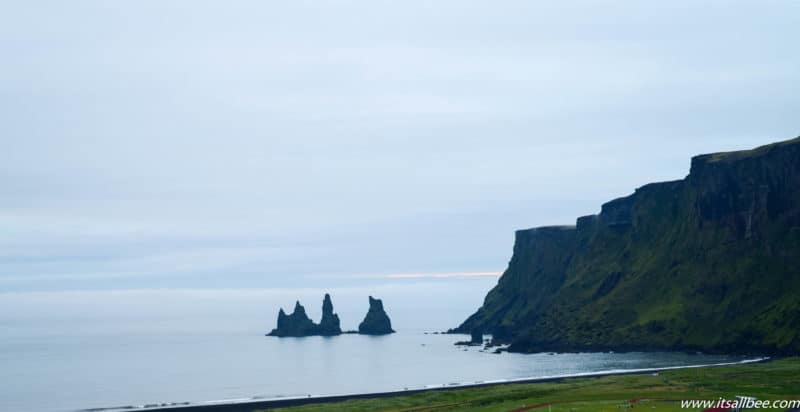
[
  {"x": 298, "y": 324},
  {"x": 376, "y": 322},
  {"x": 329, "y": 324}
]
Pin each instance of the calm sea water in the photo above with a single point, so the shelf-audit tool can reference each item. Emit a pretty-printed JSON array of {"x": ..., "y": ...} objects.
[{"x": 66, "y": 351}]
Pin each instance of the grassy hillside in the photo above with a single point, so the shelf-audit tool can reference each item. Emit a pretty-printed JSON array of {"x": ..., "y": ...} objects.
[
  {"x": 710, "y": 262},
  {"x": 775, "y": 380}
]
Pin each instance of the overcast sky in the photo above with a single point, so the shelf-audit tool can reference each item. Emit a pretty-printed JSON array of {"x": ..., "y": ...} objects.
[{"x": 151, "y": 144}]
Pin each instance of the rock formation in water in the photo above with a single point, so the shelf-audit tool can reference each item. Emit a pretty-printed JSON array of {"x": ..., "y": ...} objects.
[
  {"x": 476, "y": 337},
  {"x": 329, "y": 324},
  {"x": 710, "y": 262},
  {"x": 377, "y": 321},
  {"x": 298, "y": 324}
]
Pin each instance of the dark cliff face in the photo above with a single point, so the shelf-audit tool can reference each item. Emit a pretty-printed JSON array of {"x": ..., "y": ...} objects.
[
  {"x": 298, "y": 324},
  {"x": 710, "y": 262},
  {"x": 377, "y": 321}
]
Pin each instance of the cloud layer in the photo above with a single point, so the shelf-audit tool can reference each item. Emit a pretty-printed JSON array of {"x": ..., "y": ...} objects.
[{"x": 253, "y": 144}]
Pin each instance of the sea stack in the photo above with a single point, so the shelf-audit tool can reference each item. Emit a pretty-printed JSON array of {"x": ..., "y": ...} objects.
[
  {"x": 298, "y": 324},
  {"x": 329, "y": 324},
  {"x": 376, "y": 322}
]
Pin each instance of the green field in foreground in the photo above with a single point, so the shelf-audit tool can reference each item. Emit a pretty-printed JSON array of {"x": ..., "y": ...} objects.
[{"x": 777, "y": 379}]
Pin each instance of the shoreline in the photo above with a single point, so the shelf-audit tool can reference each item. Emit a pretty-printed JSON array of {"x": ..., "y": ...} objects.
[{"x": 249, "y": 404}]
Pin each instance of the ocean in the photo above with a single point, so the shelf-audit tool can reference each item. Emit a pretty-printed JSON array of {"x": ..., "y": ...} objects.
[{"x": 76, "y": 350}]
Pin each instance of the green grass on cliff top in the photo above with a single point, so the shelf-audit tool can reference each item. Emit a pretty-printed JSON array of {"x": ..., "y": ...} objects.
[
  {"x": 776, "y": 380},
  {"x": 740, "y": 154}
]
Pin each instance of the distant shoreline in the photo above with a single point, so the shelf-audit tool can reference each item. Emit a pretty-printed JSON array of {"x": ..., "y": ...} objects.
[{"x": 252, "y": 404}]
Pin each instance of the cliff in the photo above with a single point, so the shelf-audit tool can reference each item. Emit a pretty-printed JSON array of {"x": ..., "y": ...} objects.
[
  {"x": 710, "y": 263},
  {"x": 376, "y": 322},
  {"x": 298, "y": 324}
]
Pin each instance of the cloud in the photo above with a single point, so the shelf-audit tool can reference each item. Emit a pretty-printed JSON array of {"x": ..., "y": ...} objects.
[
  {"x": 441, "y": 275},
  {"x": 263, "y": 144}
]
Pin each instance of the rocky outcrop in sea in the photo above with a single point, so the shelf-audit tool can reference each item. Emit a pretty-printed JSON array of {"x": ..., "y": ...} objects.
[
  {"x": 329, "y": 324},
  {"x": 298, "y": 324},
  {"x": 376, "y": 322}
]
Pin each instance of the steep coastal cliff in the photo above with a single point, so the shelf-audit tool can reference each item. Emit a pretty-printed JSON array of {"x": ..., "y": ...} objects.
[{"x": 710, "y": 262}]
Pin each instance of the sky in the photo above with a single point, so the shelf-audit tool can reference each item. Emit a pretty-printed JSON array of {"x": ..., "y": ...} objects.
[{"x": 289, "y": 144}]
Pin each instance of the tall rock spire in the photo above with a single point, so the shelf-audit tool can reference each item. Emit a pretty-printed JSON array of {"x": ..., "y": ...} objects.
[{"x": 329, "y": 324}]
